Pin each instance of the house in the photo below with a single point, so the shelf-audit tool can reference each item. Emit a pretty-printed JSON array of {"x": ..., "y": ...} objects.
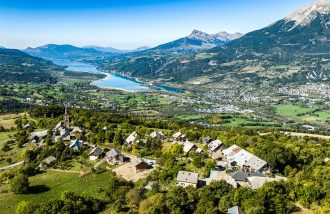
[
  {"x": 47, "y": 161},
  {"x": 213, "y": 146},
  {"x": 256, "y": 182},
  {"x": 105, "y": 128},
  {"x": 58, "y": 126},
  {"x": 185, "y": 179},
  {"x": 188, "y": 147},
  {"x": 78, "y": 129},
  {"x": 34, "y": 139},
  {"x": 114, "y": 157},
  {"x": 235, "y": 210},
  {"x": 239, "y": 158},
  {"x": 216, "y": 148},
  {"x": 95, "y": 153},
  {"x": 157, "y": 135},
  {"x": 27, "y": 126},
  {"x": 131, "y": 138},
  {"x": 139, "y": 165},
  {"x": 206, "y": 140},
  {"x": 179, "y": 137},
  {"x": 241, "y": 178},
  {"x": 76, "y": 144}
]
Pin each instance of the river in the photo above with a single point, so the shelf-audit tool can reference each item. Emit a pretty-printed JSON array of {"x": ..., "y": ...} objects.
[{"x": 115, "y": 81}]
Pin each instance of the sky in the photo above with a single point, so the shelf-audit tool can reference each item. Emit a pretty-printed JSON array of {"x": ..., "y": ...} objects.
[{"x": 129, "y": 24}]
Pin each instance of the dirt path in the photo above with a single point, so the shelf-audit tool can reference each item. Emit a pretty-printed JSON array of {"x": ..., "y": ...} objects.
[
  {"x": 298, "y": 134},
  {"x": 12, "y": 165},
  {"x": 63, "y": 170}
]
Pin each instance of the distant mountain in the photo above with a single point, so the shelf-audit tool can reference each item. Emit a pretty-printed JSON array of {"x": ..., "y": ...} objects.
[
  {"x": 17, "y": 66},
  {"x": 65, "y": 52},
  {"x": 198, "y": 40},
  {"x": 116, "y": 51},
  {"x": 105, "y": 49},
  {"x": 293, "y": 49}
]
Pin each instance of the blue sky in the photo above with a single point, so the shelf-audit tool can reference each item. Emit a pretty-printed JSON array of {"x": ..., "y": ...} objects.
[{"x": 128, "y": 24}]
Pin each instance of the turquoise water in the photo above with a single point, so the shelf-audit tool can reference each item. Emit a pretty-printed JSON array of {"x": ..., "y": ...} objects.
[{"x": 114, "y": 81}]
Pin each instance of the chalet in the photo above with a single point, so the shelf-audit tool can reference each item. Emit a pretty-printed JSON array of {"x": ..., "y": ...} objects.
[
  {"x": 179, "y": 137},
  {"x": 131, "y": 138},
  {"x": 215, "y": 145},
  {"x": 241, "y": 178},
  {"x": 95, "y": 153},
  {"x": 157, "y": 135},
  {"x": 76, "y": 145},
  {"x": 139, "y": 165},
  {"x": 114, "y": 157},
  {"x": 216, "y": 148},
  {"x": 78, "y": 129},
  {"x": 235, "y": 210},
  {"x": 185, "y": 179},
  {"x": 239, "y": 158},
  {"x": 206, "y": 140},
  {"x": 189, "y": 147},
  {"x": 256, "y": 182},
  {"x": 47, "y": 161}
]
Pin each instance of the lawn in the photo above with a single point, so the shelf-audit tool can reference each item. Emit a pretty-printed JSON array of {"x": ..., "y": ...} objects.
[
  {"x": 51, "y": 184},
  {"x": 4, "y": 136},
  {"x": 292, "y": 110}
]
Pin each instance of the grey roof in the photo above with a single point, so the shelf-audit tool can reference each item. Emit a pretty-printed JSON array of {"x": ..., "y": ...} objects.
[
  {"x": 235, "y": 210},
  {"x": 188, "y": 177},
  {"x": 214, "y": 145},
  {"x": 206, "y": 139},
  {"x": 49, "y": 160},
  {"x": 256, "y": 163},
  {"x": 137, "y": 161},
  {"x": 113, "y": 153},
  {"x": 242, "y": 176},
  {"x": 96, "y": 151}
]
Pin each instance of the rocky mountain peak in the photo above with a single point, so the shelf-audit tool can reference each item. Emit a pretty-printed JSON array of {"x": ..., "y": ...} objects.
[{"x": 307, "y": 14}]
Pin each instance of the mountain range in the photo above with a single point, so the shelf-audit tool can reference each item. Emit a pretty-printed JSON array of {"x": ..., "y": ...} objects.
[
  {"x": 66, "y": 52},
  {"x": 197, "y": 40},
  {"x": 116, "y": 51},
  {"x": 296, "y": 48}
]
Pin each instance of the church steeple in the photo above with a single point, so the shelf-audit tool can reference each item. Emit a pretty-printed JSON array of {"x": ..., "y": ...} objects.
[{"x": 66, "y": 118}]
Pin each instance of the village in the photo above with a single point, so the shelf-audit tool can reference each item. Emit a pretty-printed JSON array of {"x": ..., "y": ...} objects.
[{"x": 234, "y": 165}]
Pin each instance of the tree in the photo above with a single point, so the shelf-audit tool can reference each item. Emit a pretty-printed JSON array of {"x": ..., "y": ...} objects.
[
  {"x": 154, "y": 204},
  {"x": 133, "y": 198},
  {"x": 25, "y": 207},
  {"x": 5, "y": 147},
  {"x": 19, "y": 184}
]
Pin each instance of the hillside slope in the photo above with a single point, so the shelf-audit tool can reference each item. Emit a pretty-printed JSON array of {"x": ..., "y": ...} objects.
[{"x": 17, "y": 66}]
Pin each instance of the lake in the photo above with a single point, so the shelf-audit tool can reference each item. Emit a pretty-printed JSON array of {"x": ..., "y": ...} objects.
[{"x": 115, "y": 81}]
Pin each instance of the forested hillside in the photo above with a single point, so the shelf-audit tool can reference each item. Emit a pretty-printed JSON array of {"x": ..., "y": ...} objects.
[{"x": 19, "y": 67}]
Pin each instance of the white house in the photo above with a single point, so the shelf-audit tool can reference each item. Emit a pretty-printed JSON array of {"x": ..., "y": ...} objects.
[
  {"x": 244, "y": 160},
  {"x": 185, "y": 179},
  {"x": 131, "y": 138}
]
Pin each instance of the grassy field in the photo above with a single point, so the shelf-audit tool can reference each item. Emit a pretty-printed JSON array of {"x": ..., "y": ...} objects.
[
  {"x": 51, "y": 184},
  {"x": 292, "y": 110},
  {"x": 8, "y": 120},
  {"x": 4, "y": 136},
  {"x": 303, "y": 113}
]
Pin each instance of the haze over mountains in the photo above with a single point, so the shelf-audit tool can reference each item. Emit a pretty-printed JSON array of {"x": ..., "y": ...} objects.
[
  {"x": 295, "y": 48},
  {"x": 197, "y": 40}
]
